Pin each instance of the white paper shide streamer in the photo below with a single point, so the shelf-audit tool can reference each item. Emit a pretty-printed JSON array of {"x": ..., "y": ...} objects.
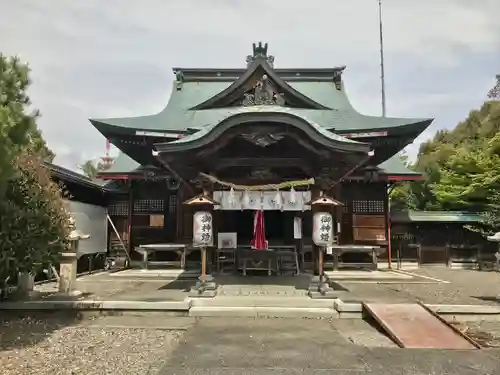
[
  {"x": 231, "y": 199},
  {"x": 293, "y": 198},
  {"x": 277, "y": 199},
  {"x": 246, "y": 199}
]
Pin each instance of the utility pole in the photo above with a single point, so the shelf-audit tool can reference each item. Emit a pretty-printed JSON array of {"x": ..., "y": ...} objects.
[{"x": 382, "y": 72}]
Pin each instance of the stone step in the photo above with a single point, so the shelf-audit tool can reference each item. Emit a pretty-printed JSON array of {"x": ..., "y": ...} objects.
[
  {"x": 173, "y": 274},
  {"x": 97, "y": 305},
  {"x": 272, "y": 302},
  {"x": 274, "y": 312}
]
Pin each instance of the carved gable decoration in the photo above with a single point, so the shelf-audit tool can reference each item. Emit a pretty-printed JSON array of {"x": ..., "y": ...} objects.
[{"x": 263, "y": 93}]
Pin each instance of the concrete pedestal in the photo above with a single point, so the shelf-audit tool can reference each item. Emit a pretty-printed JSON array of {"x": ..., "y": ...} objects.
[
  {"x": 26, "y": 286},
  {"x": 204, "y": 289},
  {"x": 319, "y": 289},
  {"x": 67, "y": 275}
]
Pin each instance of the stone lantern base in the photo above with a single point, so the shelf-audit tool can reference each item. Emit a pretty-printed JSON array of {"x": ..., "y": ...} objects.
[
  {"x": 207, "y": 289},
  {"x": 320, "y": 289},
  {"x": 67, "y": 275}
]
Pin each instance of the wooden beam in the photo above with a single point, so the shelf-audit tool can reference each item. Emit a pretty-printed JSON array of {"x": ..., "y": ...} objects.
[{"x": 223, "y": 163}]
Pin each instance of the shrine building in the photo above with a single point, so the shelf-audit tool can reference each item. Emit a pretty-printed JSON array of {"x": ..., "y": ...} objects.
[{"x": 258, "y": 137}]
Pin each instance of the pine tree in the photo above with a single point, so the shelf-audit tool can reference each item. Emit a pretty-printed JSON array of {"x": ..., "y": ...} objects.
[{"x": 33, "y": 218}]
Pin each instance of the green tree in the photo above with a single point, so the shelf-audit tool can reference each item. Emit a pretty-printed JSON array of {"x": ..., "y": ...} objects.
[
  {"x": 17, "y": 126},
  {"x": 494, "y": 93},
  {"x": 34, "y": 223},
  {"x": 89, "y": 168},
  {"x": 33, "y": 220},
  {"x": 401, "y": 195}
]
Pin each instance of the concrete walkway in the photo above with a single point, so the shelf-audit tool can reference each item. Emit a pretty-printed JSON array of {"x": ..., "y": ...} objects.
[{"x": 302, "y": 346}]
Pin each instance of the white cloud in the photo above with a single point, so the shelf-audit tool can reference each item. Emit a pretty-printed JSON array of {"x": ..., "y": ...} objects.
[{"x": 114, "y": 58}]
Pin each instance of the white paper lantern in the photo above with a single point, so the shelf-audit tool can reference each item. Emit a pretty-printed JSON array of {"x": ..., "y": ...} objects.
[
  {"x": 202, "y": 229},
  {"x": 322, "y": 229}
]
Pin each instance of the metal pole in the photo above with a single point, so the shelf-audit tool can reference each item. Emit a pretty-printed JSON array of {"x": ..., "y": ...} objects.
[{"x": 382, "y": 72}]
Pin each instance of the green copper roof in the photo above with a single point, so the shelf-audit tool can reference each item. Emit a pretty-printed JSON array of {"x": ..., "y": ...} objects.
[
  {"x": 394, "y": 166},
  {"x": 176, "y": 116},
  {"x": 263, "y": 109},
  {"x": 435, "y": 216},
  {"x": 123, "y": 164}
]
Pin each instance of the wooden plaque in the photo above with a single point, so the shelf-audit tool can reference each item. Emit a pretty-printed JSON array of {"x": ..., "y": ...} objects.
[
  {"x": 368, "y": 221},
  {"x": 156, "y": 221},
  {"x": 369, "y": 234}
]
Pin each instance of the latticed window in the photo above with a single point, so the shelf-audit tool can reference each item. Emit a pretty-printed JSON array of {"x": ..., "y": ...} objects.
[
  {"x": 119, "y": 208},
  {"x": 148, "y": 205},
  {"x": 172, "y": 204},
  {"x": 367, "y": 206}
]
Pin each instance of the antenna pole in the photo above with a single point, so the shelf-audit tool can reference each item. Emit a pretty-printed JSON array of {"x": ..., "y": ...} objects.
[{"x": 382, "y": 72}]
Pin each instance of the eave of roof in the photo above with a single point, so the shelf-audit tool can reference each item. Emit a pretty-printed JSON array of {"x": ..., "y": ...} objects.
[
  {"x": 77, "y": 178},
  {"x": 435, "y": 216},
  {"x": 242, "y": 115},
  {"x": 286, "y": 74}
]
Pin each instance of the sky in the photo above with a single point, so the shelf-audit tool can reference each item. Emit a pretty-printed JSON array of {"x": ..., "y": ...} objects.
[{"x": 114, "y": 58}]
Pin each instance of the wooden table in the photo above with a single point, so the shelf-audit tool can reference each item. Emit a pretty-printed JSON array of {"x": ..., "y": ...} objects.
[
  {"x": 269, "y": 256},
  {"x": 180, "y": 249},
  {"x": 338, "y": 250}
]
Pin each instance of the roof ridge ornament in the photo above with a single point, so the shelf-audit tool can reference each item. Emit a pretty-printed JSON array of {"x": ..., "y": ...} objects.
[
  {"x": 263, "y": 94},
  {"x": 179, "y": 79},
  {"x": 260, "y": 51}
]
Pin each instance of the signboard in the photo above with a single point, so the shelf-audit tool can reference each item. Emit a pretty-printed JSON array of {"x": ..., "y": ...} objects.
[
  {"x": 202, "y": 229},
  {"x": 322, "y": 229}
]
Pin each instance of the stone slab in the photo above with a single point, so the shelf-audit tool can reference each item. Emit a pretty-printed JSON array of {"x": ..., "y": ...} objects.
[
  {"x": 97, "y": 305},
  {"x": 256, "y": 301},
  {"x": 211, "y": 293},
  {"x": 366, "y": 275},
  {"x": 465, "y": 309},
  {"x": 233, "y": 346},
  {"x": 352, "y": 307},
  {"x": 150, "y": 273},
  {"x": 329, "y": 295},
  {"x": 279, "y": 312}
]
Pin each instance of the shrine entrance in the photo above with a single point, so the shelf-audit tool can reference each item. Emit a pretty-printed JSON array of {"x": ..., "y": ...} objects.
[
  {"x": 268, "y": 161},
  {"x": 278, "y": 225}
]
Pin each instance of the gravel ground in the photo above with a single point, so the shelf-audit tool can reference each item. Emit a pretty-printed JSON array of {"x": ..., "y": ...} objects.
[
  {"x": 55, "y": 346},
  {"x": 485, "y": 333},
  {"x": 465, "y": 287}
]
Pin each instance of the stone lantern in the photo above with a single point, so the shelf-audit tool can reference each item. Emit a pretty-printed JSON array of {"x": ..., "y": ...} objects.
[{"x": 68, "y": 263}]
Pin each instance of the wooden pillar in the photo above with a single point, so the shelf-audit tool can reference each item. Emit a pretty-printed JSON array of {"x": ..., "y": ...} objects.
[
  {"x": 339, "y": 211},
  {"x": 130, "y": 215},
  {"x": 388, "y": 225},
  {"x": 315, "y": 194},
  {"x": 203, "y": 203},
  {"x": 179, "y": 214},
  {"x": 322, "y": 207}
]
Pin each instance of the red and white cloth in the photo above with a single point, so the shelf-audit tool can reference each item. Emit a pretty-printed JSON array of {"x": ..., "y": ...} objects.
[{"x": 259, "y": 241}]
